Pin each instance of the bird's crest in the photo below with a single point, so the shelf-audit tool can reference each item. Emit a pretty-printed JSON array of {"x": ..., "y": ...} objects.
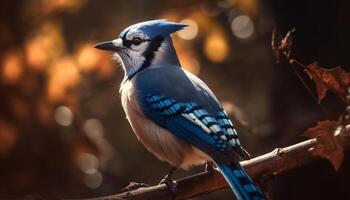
[{"x": 155, "y": 28}]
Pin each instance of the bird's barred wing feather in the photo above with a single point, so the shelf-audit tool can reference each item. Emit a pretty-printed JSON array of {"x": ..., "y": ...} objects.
[
  {"x": 231, "y": 134},
  {"x": 213, "y": 134}
]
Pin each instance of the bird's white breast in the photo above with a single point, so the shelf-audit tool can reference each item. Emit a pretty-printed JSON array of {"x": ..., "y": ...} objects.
[{"x": 156, "y": 139}]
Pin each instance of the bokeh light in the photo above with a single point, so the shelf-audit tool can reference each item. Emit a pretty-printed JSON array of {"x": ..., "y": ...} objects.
[
  {"x": 50, "y": 36},
  {"x": 242, "y": 27},
  {"x": 8, "y": 137},
  {"x": 88, "y": 163},
  {"x": 36, "y": 53},
  {"x": 216, "y": 47},
  {"x": 66, "y": 5},
  {"x": 189, "y": 32},
  {"x": 12, "y": 68},
  {"x": 63, "y": 75},
  {"x": 64, "y": 116},
  {"x": 87, "y": 57},
  {"x": 94, "y": 129},
  {"x": 93, "y": 180}
]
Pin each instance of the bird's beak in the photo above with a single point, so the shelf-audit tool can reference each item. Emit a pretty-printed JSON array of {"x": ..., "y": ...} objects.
[{"x": 113, "y": 45}]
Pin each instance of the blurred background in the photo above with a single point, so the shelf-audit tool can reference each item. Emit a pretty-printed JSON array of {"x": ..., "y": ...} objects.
[{"x": 63, "y": 133}]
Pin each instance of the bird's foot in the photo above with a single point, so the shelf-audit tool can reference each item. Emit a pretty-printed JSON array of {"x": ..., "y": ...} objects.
[
  {"x": 134, "y": 186},
  {"x": 169, "y": 183},
  {"x": 210, "y": 167},
  {"x": 167, "y": 180}
]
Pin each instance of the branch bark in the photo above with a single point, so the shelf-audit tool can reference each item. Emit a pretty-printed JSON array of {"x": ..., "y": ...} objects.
[{"x": 270, "y": 164}]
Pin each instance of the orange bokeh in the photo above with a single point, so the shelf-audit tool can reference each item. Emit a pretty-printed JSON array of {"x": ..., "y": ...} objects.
[
  {"x": 8, "y": 137},
  {"x": 63, "y": 75},
  {"x": 87, "y": 57},
  {"x": 12, "y": 67},
  {"x": 36, "y": 54},
  {"x": 216, "y": 47}
]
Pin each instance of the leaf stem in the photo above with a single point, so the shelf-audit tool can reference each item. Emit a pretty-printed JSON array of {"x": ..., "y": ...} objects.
[
  {"x": 297, "y": 63},
  {"x": 293, "y": 61}
]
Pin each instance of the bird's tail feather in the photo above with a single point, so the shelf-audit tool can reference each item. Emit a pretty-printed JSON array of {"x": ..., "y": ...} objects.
[{"x": 241, "y": 184}]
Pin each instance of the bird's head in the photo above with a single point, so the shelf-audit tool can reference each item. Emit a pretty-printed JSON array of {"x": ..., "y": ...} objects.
[{"x": 143, "y": 45}]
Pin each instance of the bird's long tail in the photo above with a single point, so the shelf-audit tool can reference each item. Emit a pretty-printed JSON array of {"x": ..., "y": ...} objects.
[{"x": 241, "y": 184}]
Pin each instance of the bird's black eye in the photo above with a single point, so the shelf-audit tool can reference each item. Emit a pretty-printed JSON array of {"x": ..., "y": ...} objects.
[{"x": 137, "y": 41}]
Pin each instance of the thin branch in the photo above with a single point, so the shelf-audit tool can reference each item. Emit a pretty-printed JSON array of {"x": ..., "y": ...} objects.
[{"x": 270, "y": 164}]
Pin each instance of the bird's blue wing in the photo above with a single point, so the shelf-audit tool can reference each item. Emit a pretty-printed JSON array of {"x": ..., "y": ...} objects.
[{"x": 194, "y": 124}]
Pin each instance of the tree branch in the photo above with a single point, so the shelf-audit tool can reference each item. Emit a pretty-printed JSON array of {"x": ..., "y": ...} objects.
[{"x": 270, "y": 164}]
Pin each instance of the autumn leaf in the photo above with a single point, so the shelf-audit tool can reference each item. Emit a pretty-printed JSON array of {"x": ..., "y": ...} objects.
[
  {"x": 336, "y": 80},
  {"x": 282, "y": 46},
  {"x": 328, "y": 146}
]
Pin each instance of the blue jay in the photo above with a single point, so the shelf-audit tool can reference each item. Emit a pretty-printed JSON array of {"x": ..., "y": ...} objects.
[{"x": 172, "y": 112}]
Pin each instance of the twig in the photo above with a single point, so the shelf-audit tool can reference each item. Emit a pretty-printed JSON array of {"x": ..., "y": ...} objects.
[
  {"x": 282, "y": 47},
  {"x": 292, "y": 61},
  {"x": 270, "y": 164}
]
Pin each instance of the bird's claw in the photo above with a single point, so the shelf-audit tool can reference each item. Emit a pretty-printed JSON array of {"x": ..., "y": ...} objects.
[
  {"x": 167, "y": 180},
  {"x": 134, "y": 186},
  {"x": 169, "y": 183}
]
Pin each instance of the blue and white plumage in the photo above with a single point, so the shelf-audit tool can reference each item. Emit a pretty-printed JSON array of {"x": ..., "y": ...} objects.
[{"x": 172, "y": 112}]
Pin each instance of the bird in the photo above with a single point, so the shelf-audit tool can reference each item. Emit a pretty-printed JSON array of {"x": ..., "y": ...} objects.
[{"x": 173, "y": 112}]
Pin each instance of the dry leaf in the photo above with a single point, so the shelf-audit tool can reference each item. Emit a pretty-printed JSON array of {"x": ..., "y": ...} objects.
[
  {"x": 282, "y": 46},
  {"x": 336, "y": 80},
  {"x": 328, "y": 145}
]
